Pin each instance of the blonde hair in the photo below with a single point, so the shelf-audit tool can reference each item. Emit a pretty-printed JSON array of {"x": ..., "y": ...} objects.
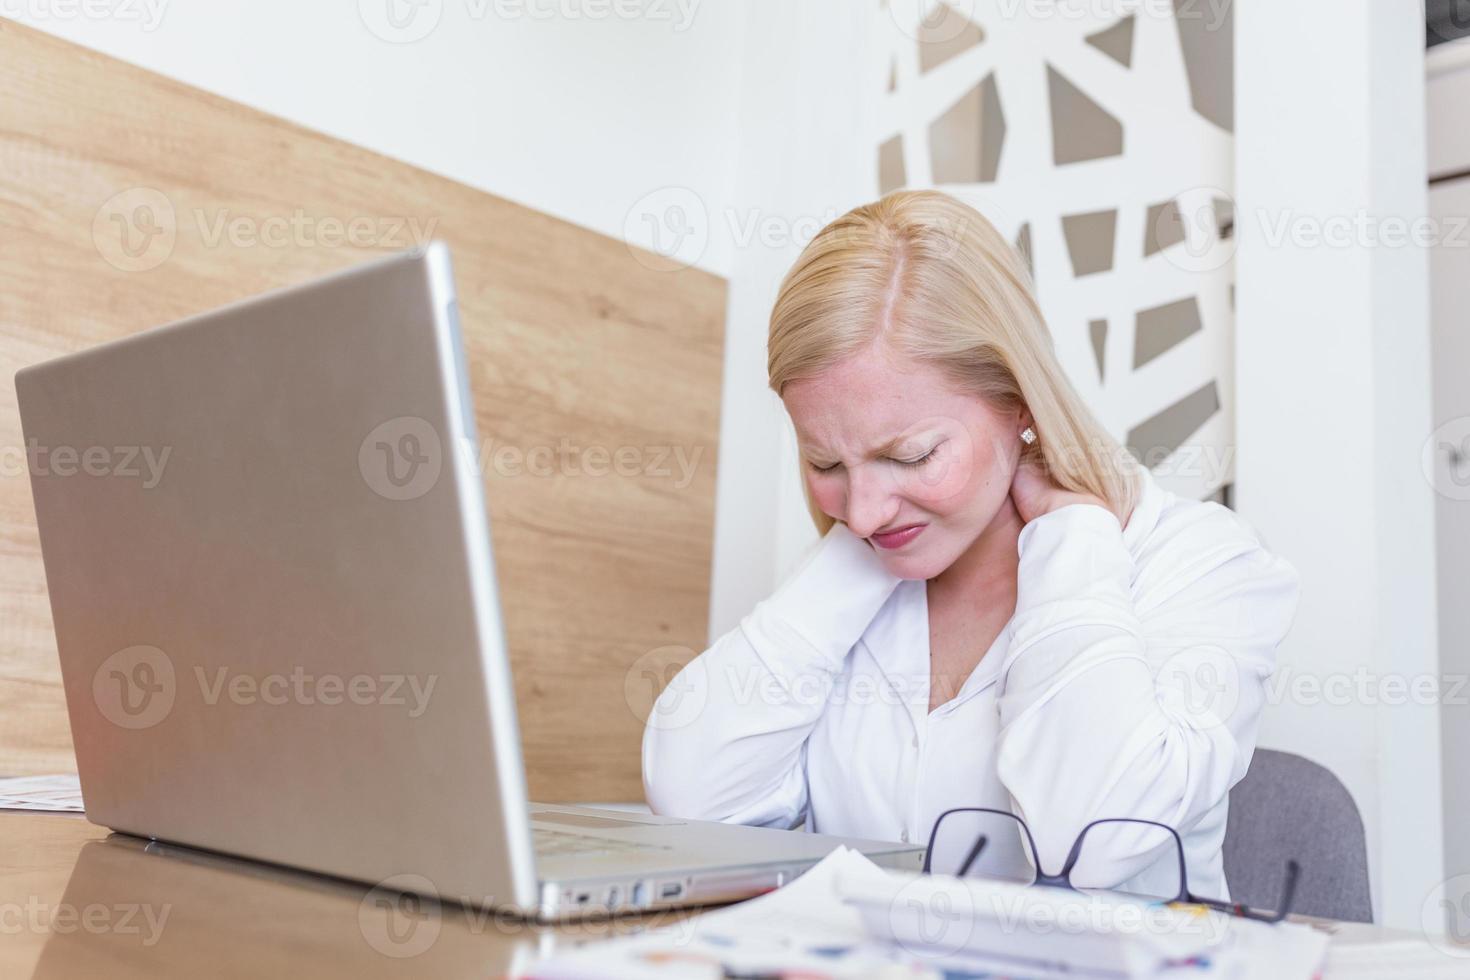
[{"x": 935, "y": 279}]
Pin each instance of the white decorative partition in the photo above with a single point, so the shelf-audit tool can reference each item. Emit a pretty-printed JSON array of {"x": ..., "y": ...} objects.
[{"x": 1097, "y": 136}]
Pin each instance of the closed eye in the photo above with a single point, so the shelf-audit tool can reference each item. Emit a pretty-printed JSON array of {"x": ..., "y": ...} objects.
[{"x": 918, "y": 460}]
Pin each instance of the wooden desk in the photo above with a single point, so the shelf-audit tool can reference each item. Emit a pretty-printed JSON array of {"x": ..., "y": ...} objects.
[{"x": 77, "y": 902}]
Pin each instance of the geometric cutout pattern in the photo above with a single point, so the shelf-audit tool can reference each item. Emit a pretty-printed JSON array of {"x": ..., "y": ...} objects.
[
  {"x": 965, "y": 142},
  {"x": 1080, "y": 128},
  {"x": 1044, "y": 73},
  {"x": 1159, "y": 328},
  {"x": 890, "y": 165},
  {"x": 1090, "y": 240},
  {"x": 1164, "y": 227},
  {"x": 1116, "y": 42},
  {"x": 1160, "y": 437},
  {"x": 1224, "y": 209},
  {"x": 1208, "y": 47},
  {"x": 1023, "y": 245},
  {"x": 1098, "y": 330},
  {"x": 945, "y": 36}
]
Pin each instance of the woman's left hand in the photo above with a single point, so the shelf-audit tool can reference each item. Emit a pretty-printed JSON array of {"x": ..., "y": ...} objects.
[{"x": 1034, "y": 493}]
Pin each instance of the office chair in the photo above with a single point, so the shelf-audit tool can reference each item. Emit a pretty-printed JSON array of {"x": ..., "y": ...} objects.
[{"x": 1290, "y": 807}]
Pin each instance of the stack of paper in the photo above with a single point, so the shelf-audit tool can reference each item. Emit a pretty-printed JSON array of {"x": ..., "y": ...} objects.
[
  {"x": 801, "y": 929},
  {"x": 848, "y": 918},
  {"x": 55, "y": 793}
]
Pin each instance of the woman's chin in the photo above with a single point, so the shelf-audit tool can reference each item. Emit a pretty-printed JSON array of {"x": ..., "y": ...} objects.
[{"x": 919, "y": 567}]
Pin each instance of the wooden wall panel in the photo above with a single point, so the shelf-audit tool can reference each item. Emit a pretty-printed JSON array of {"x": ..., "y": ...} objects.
[{"x": 575, "y": 340}]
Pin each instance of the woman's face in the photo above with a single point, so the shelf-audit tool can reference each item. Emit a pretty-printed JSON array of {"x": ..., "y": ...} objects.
[{"x": 893, "y": 449}]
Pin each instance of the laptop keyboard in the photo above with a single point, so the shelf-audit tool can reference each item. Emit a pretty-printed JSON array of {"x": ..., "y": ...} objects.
[{"x": 555, "y": 842}]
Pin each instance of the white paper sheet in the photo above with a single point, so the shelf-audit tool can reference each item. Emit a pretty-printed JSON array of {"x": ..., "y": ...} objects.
[
  {"x": 807, "y": 930},
  {"x": 55, "y": 793}
]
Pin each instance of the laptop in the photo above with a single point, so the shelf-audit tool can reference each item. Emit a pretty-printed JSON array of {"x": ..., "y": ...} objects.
[{"x": 270, "y": 572}]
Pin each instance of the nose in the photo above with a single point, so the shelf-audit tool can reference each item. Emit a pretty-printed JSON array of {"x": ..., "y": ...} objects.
[{"x": 871, "y": 503}]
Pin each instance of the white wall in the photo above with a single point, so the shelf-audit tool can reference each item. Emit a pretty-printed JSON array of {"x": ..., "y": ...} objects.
[
  {"x": 577, "y": 116},
  {"x": 1449, "y": 278},
  {"x": 803, "y": 162},
  {"x": 1332, "y": 368}
]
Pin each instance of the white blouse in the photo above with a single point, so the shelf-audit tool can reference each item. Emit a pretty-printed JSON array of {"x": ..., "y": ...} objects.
[{"x": 1129, "y": 682}]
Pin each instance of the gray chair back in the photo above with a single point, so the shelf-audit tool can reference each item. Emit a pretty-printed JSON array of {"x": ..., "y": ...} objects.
[{"x": 1290, "y": 807}]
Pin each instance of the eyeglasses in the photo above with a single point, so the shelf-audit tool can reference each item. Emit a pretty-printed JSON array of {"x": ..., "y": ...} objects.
[{"x": 997, "y": 844}]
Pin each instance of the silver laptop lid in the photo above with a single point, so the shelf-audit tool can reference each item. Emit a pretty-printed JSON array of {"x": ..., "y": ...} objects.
[{"x": 270, "y": 575}]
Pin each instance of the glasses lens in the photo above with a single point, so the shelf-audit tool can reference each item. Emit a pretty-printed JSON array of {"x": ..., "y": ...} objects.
[
  {"x": 982, "y": 843},
  {"x": 1130, "y": 856}
]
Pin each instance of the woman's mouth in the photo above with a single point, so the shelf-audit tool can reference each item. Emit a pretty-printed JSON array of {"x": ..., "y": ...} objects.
[{"x": 899, "y": 537}]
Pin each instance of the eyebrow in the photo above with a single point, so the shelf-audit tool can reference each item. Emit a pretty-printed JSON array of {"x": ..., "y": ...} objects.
[{"x": 892, "y": 444}]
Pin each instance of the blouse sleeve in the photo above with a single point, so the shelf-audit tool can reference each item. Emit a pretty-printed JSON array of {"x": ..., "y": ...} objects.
[
  {"x": 1129, "y": 694},
  {"x": 726, "y": 739}
]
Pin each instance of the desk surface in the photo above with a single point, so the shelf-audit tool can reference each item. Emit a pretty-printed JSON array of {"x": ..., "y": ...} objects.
[{"x": 78, "y": 901}]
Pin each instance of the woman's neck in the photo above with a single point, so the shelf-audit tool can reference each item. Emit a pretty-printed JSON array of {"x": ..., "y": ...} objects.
[{"x": 988, "y": 566}]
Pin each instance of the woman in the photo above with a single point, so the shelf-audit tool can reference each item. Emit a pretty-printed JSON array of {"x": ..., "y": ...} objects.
[{"x": 1004, "y": 611}]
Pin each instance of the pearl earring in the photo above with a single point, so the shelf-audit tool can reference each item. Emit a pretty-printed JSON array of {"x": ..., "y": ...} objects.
[{"x": 1028, "y": 435}]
